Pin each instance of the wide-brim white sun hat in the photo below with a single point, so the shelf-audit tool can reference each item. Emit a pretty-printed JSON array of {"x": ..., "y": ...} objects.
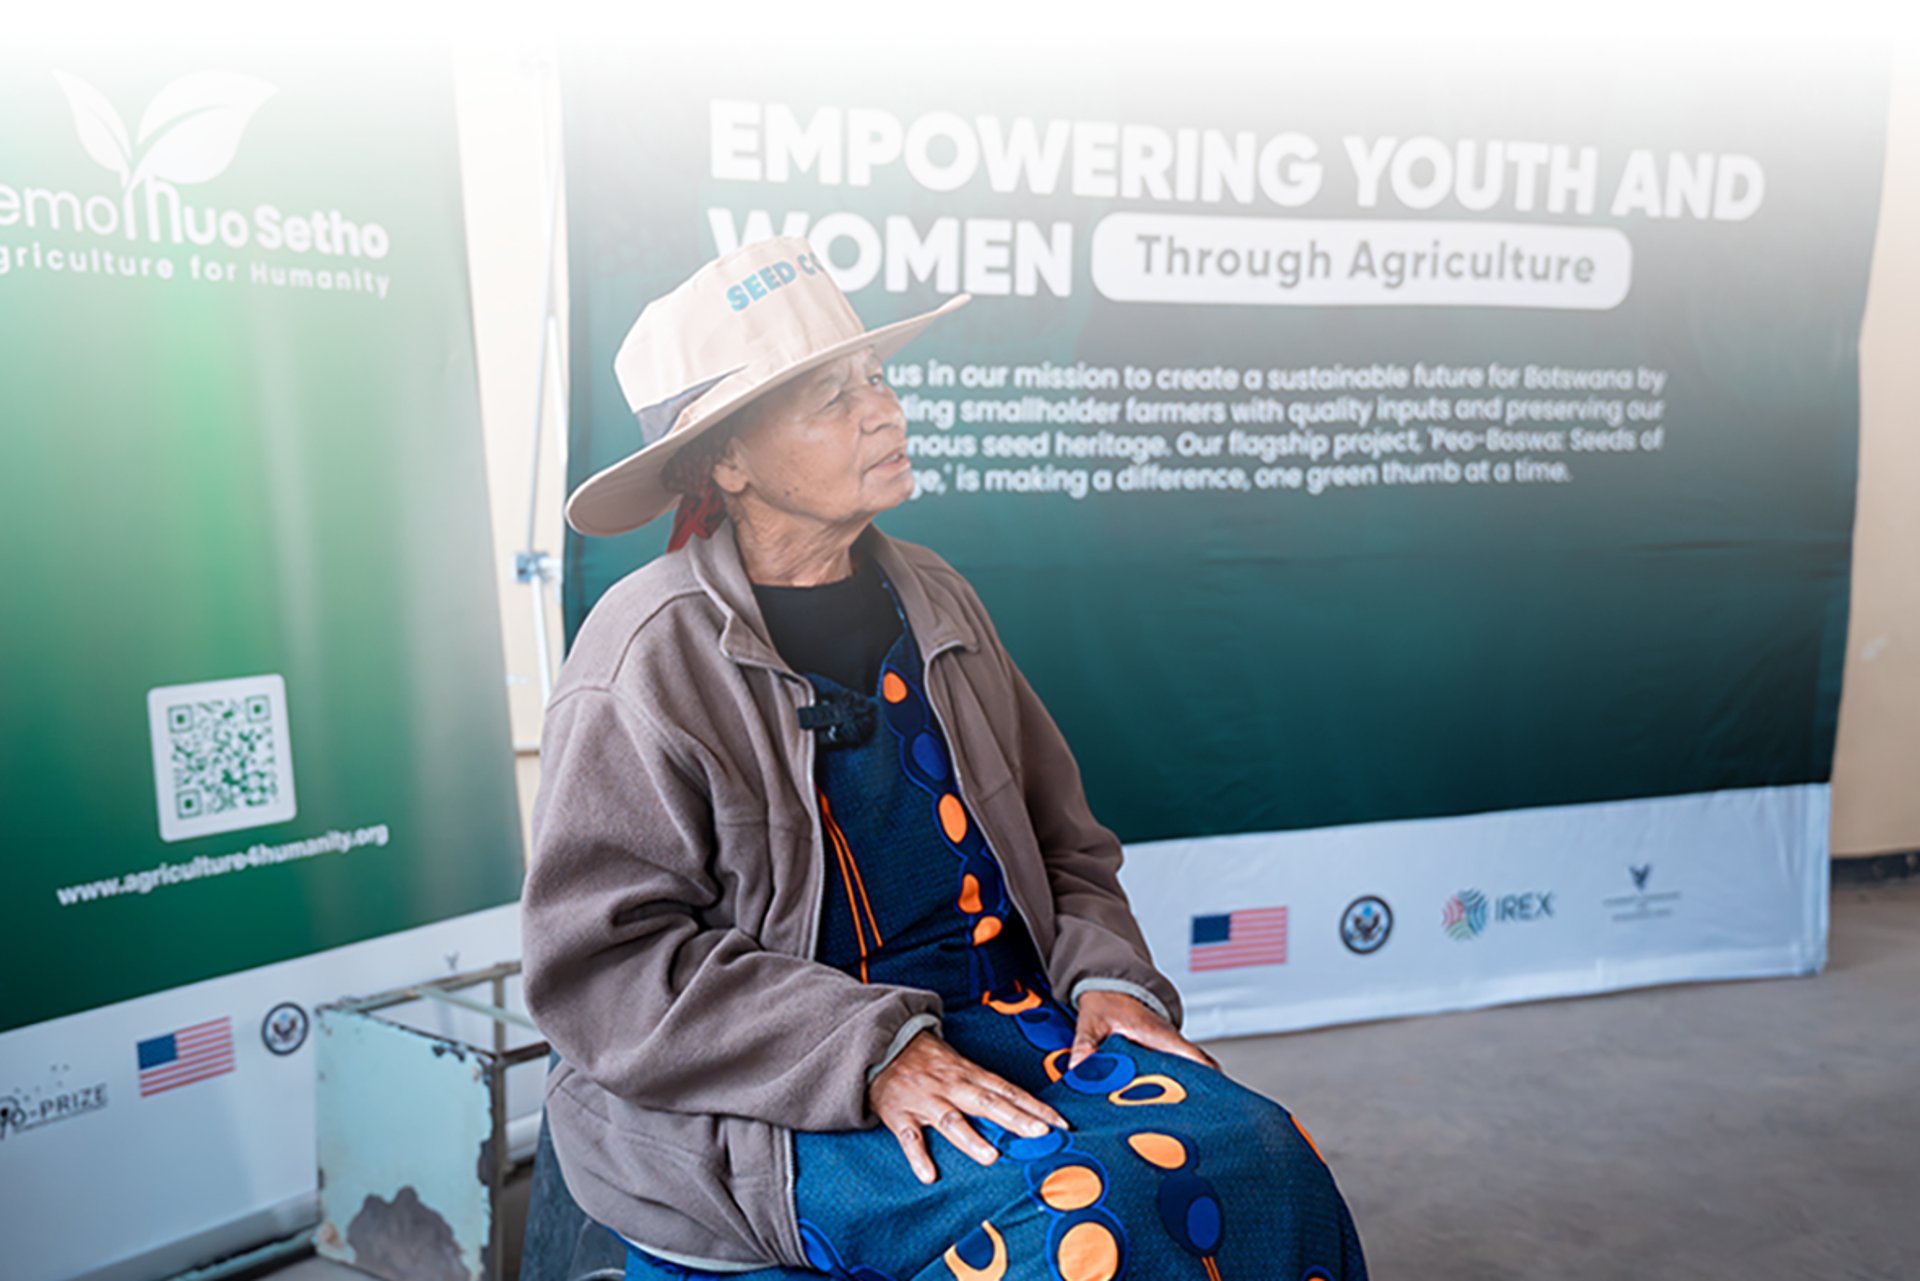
[{"x": 744, "y": 324}]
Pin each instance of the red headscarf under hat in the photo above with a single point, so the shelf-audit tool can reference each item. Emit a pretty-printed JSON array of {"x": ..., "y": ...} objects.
[{"x": 698, "y": 515}]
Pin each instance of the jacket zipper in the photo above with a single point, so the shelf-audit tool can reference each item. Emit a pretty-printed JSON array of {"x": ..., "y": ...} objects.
[
  {"x": 817, "y": 878},
  {"x": 926, "y": 683}
]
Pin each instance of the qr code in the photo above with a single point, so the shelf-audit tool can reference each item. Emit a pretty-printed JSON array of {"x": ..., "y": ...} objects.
[{"x": 222, "y": 758}]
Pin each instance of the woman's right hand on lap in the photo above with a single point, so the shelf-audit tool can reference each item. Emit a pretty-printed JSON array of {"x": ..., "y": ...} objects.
[{"x": 929, "y": 1083}]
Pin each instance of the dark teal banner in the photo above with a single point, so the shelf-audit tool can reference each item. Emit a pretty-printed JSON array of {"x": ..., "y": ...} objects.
[{"x": 1329, "y": 446}]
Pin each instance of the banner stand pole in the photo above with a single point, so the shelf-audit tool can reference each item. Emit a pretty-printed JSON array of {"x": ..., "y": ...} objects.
[{"x": 530, "y": 565}]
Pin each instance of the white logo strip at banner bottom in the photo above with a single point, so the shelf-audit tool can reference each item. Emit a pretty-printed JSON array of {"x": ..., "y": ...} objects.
[
  {"x": 119, "y": 1162},
  {"x": 1277, "y": 931}
]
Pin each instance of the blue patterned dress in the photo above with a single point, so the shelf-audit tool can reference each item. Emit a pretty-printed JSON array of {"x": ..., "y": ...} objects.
[{"x": 1170, "y": 1169}]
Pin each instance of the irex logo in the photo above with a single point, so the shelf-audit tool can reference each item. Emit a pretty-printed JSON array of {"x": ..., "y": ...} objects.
[{"x": 1534, "y": 906}]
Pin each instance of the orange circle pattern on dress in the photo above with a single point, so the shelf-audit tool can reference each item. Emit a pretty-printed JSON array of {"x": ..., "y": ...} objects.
[
  {"x": 1027, "y": 1000},
  {"x": 1162, "y": 1150},
  {"x": 1149, "y": 1088},
  {"x": 1071, "y": 1187},
  {"x": 995, "y": 1266},
  {"x": 953, "y": 818},
  {"x": 1088, "y": 1252}
]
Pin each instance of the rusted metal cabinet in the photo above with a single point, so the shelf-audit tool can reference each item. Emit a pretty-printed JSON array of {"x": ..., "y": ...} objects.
[{"x": 416, "y": 1145}]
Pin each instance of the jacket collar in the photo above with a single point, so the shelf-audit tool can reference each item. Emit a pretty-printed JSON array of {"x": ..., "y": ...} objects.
[{"x": 722, "y": 573}]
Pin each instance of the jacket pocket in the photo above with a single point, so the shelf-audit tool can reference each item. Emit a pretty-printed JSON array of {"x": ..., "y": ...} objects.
[
  {"x": 701, "y": 1143},
  {"x": 694, "y": 1183}
]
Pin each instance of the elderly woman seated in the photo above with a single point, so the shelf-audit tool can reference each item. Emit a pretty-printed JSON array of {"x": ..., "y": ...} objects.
[{"x": 813, "y": 875}]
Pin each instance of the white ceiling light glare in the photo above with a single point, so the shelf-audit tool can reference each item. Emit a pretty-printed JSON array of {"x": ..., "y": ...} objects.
[{"x": 1069, "y": 37}]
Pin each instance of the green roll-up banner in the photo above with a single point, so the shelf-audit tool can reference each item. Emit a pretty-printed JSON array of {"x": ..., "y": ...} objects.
[{"x": 253, "y": 680}]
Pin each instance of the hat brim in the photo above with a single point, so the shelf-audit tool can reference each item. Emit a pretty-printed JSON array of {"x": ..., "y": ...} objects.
[{"x": 628, "y": 494}]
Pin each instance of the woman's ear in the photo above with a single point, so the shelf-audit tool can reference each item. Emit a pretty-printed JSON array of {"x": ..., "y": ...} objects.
[{"x": 727, "y": 470}]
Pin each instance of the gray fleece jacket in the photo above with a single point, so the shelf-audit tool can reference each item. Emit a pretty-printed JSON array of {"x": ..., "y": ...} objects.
[{"x": 673, "y": 895}]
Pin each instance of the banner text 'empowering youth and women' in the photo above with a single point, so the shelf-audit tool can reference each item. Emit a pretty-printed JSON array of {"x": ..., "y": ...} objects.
[{"x": 1138, "y": 256}]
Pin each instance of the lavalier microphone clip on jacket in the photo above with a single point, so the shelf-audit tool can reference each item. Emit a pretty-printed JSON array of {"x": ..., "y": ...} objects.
[{"x": 840, "y": 719}]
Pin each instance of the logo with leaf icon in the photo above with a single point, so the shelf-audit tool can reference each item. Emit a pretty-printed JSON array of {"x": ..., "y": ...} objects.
[{"x": 189, "y": 133}]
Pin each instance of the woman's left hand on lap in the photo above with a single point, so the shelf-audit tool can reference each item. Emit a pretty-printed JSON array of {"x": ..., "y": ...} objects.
[{"x": 1102, "y": 1013}]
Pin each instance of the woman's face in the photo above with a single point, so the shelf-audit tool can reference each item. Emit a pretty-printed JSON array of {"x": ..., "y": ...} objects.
[{"x": 829, "y": 447}]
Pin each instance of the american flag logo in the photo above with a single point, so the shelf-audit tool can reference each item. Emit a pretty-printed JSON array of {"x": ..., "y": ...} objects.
[
  {"x": 181, "y": 1058},
  {"x": 1250, "y": 936}
]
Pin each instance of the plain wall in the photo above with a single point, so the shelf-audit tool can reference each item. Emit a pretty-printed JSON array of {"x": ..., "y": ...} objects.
[
  {"x": 509, "y": 123},
  {"x": 510, "y": 130},
  {"x": 1876, "y": 763}
]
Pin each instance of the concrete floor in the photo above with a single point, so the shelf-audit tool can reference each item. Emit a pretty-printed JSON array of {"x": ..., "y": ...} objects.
[
  {"x": 1755, "y": 1131},
  {"x": 1720, "y": 1132}
]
